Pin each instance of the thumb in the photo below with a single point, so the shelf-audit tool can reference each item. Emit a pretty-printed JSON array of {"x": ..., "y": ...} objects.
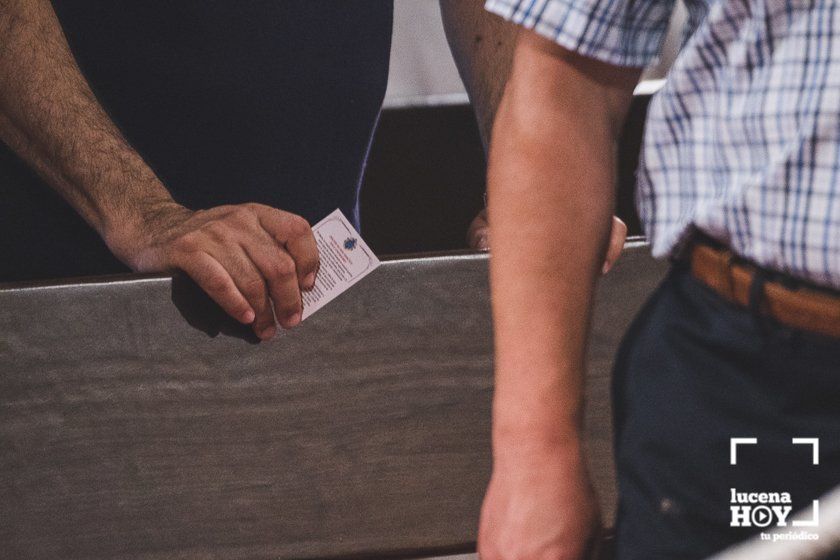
[{"x": 617, "y": 237}]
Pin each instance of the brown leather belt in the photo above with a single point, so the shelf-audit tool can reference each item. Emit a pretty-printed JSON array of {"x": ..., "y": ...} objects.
[{"x": 800, "y": 307}]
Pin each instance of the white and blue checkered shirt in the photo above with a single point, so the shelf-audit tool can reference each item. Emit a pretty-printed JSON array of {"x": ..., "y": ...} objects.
[{"x": 743, "y": 141}]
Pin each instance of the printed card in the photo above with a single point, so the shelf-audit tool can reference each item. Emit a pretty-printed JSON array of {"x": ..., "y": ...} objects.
[{"x": 345, "y": 259}]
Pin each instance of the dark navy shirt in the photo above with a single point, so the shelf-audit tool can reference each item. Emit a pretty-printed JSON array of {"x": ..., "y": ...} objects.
[{"x": 270, "y": 101}]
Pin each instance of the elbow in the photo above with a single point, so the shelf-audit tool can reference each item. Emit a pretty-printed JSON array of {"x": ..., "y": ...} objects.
[{"x": 555, "y": 95}]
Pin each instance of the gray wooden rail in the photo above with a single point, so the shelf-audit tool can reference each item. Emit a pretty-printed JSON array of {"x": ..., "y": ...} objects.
[{"x": 136, "y": 422}]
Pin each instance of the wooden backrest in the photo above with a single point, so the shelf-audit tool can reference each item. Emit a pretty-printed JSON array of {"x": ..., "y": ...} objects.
[{"x": 137, "y": 423}]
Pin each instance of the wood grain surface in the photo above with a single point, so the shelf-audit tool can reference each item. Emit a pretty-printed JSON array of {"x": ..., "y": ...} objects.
[{"x": 137, "y": 422}]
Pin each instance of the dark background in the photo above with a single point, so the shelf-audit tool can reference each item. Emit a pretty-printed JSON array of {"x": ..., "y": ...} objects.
[
  {"x": 424, "y": 184},
  {"x": 425, "y": 178}
]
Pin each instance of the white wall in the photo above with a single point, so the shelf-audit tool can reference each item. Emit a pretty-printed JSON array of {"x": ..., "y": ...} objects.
[{"x": 422, "y": 69}]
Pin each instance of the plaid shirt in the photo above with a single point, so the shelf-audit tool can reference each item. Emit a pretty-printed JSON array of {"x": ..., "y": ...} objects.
[{"x": 743, "y": 141}]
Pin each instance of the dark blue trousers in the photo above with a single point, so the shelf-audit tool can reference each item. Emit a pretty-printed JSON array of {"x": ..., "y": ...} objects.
[{"x": 693, "y": 372}]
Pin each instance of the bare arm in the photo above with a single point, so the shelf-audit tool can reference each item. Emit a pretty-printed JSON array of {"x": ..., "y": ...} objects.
[
  {"x": 244, "y": 256},
  {"x": 482, "y": 45},
  {"x": 50, "y": 117},
  {"x": 551, "y": 181}
]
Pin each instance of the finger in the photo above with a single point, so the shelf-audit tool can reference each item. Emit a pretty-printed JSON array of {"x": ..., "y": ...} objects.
[
  {"x": 278, "y": 269},
  {"x": 251, "y": 283},
  {"x": 618, "y": 235},
  {"x": 479, "y": 239},
  {"x": 295, "y": 234},
  {"x": 478, "y": 236},
  {"x": 212, "y": 277}
]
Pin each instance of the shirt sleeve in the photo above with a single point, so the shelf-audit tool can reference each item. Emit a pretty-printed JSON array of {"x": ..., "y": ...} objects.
[{"x": 619, "y": 32}]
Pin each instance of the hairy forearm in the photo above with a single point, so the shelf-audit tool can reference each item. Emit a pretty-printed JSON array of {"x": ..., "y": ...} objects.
[
  {"x": 482, "y": 45},
  {"x": 50, "y": 117},
  {"x": 551, "y": 183}
]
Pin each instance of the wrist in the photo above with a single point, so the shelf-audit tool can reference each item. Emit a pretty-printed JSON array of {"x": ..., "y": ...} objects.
[
  {"x": 548, "y": 424},
  {"x": 538, "y": 387},
  {"x": 551, "y": 412},
  {"x": 527, "y": 455},
  {"x": 533, "y": 438},
  {"x": 130, "y": 232}
]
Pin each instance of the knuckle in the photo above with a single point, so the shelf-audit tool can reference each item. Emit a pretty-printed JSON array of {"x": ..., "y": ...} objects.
[
  {"x": 297, "y": 226},
  {"x": 187, "y": 243},
  {"x": 253, "y": 287},
  {"x": 241, "y": 216},
  {"x": 242, "y": 211},
  {"x": 216, "y": 284},
  {"x": 284, "y": 269},
  {"x": 219, "y": 212},
  {"x": 217, "y": 230},
  {"x": 254, "y": 207}
]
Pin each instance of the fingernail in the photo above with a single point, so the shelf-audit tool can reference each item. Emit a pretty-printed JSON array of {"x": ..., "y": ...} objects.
[
  {"x": 268, "y": 332},
  {"x": 605, "y": 268},
  {"x": 309, "y": 281},
  {"x": 483, "y": 243},
  {"x": 293, "y": 320},
  {"x": 249, "y": 316}
]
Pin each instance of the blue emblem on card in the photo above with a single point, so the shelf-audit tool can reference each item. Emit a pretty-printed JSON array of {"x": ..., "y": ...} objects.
[{"x": 350, "y": 243}]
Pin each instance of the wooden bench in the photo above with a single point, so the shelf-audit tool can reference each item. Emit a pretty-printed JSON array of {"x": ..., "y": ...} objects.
[{"x": 137, "y": 422}]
